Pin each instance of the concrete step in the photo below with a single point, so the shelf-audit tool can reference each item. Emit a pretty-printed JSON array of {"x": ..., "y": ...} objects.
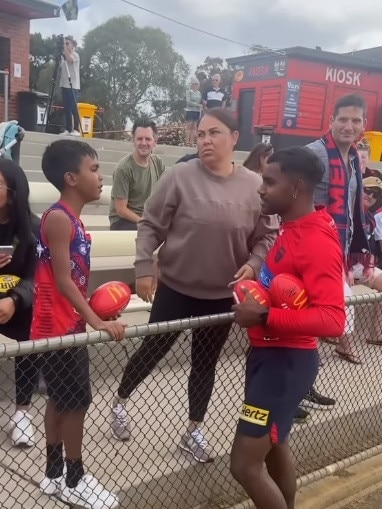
[
  {"x": 115, "y": 145},
  {"x": 33, "y": 162},
  {"x": 36, "y": 150}
]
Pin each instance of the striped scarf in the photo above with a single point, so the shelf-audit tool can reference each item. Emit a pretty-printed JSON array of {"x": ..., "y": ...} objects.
[{"x": 339, "y": 198}]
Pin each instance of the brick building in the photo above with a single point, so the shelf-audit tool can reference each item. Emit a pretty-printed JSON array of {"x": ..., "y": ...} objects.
[{"x": 15, "y": 16}]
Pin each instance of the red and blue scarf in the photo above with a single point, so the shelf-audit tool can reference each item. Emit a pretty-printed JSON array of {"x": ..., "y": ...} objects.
[{"x": 339, "y": 196}]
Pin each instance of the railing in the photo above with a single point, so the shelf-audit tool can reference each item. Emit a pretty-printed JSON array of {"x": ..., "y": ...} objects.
[
  {"x": 5, "y": 73},
  {"x": 149, "y": 471}
]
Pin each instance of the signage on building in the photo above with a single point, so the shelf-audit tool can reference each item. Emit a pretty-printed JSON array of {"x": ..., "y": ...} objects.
[
  {"x": 343, "y": 77},
  {"x": 291, "y": 104},
  {"x": 262, "y": 69}
]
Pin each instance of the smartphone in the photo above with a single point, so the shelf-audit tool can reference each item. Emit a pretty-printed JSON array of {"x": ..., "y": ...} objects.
[{"x": 6, "y": 250}]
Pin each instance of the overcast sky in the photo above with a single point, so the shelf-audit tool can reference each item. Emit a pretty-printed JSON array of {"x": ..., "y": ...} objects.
[{"x": 335, "y": 25}]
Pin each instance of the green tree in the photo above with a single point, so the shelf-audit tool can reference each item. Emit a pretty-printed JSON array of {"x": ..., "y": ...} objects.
[
  {"x": 211, "y": 66},
  {"x": 43, "y": 53},
  {"x": 132, "y": 71}
]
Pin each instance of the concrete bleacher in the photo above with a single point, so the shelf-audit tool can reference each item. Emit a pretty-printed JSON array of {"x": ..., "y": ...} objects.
[{"x": 143, "y": 469}]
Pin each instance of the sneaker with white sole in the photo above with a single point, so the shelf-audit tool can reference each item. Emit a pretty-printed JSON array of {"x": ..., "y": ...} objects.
[
  {"x": 317, "y": 401},
  {"x": 75, "y": 133},
  {"x": 90, "y": 494},
  {"x": 120, "y": 423},
  {"x": 65, "y": 133},
  {"x": 52, "y": 486},
  {"x": 196, "y": 444},
  {"x": 22, "y": 429}
]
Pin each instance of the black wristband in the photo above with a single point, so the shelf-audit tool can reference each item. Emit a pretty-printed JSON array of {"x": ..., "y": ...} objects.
[{"x": 264, "y": 318}]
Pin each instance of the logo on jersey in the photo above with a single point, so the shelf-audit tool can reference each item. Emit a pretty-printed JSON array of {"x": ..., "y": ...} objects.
[
  {"x": 254, "y": 415},
  {"x": 279, "y": 255},
  {"x": 265, "y": 276}
]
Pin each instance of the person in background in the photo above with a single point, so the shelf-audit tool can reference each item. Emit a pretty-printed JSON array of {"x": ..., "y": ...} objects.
[
  {"x": 135, "y": 178},
  {"x": 369, "y": 272},
  {"x": 194, "y": 106},
  {"x": 283, "y": 360},
  {"x": 364, "y": 151},
  {"x": 61, "y": 307},
  {"x": 199, "y": 210},
  {"x": 18, "y": 228},
  {"x": 258, "y": 157},
  {"x": 341, "y": 192},
  {"x": 214, "y": 97},
  {"x": 70, "y": 62}
]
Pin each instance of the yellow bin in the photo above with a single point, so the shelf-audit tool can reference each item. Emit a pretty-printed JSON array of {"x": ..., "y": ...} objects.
[
  {"x": 374, "y": 139},
  {"x": 87, "y": 114}
]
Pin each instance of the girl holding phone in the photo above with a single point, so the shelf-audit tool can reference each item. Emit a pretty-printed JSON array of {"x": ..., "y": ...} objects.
[{"x": 18, "y": 238}]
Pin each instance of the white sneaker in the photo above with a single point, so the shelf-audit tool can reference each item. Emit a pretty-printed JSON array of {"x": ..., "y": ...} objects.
[
  {"x": 120, "y": 423},
  {"x": 65, "y": 133},
  {"x": 22, "y": 429},
  {"x": 75, "y": 133},
  {"x": 89, "y": 493},
  {"x": 196, "y": 444},
  {"x": 52, "y": 486}
]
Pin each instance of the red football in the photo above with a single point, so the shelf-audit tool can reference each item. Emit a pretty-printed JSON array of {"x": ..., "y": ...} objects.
[
  {"x": 255, "y": 289},
  {"x": 288, "y": 292},
  {"x": 109, "y": 299}
]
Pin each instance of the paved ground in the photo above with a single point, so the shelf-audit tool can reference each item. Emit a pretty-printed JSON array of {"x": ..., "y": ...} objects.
[{"x": 372, "y": 501}]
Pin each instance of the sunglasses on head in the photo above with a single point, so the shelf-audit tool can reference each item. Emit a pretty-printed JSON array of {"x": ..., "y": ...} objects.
[{"x": 370, "y": 192}]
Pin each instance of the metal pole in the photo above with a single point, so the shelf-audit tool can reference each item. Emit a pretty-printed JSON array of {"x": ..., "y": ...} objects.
[{"x": 6, "y": 94}]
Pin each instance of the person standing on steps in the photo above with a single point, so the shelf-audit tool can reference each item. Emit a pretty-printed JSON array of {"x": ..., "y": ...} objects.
[
  {"x": 341, "y": 191},
  {"x": 70, "y": 87},
  {"x": 194, "y": 107},
  {"x": 199, "y": 209},
  {"x": 214, "y": 97}
]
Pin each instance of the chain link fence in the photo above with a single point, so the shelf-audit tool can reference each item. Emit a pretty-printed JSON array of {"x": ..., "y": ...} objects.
[{"x": 150, "y": 471}]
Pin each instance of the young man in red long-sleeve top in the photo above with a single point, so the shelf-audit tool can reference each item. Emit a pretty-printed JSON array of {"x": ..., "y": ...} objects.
[{"x": 283, "y": 361}]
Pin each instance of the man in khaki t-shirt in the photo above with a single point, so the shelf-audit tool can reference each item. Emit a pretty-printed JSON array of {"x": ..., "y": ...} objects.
[{"x": 134, "y": 178}]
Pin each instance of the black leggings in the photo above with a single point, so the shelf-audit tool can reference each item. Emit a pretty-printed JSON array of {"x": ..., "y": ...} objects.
[
  {"x": 207, "y": 343},
  {"x": 27, "y": 367}
]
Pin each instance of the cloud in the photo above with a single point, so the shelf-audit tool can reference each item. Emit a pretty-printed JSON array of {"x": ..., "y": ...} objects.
[{"x": 337, "y": 25}]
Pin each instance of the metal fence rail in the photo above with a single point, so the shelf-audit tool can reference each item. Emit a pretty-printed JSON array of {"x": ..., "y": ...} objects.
[{"x": 149, "y": 470}]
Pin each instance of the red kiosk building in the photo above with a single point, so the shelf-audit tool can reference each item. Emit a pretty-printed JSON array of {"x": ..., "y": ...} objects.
[
  {"x": 15, "y": 16},
  {"x": 292, "y": 93}
]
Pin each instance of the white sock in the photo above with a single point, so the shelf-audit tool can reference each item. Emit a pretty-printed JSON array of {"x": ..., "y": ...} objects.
[{"x": 119, "y": 401}]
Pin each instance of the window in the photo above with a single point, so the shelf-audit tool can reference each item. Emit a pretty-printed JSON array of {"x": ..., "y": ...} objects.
[{"x": 5, "y": 59}]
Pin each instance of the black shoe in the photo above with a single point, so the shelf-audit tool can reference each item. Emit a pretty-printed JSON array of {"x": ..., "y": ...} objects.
[
  {"x": 315, "y": 400},
  {"x": 300, "y": 416}
]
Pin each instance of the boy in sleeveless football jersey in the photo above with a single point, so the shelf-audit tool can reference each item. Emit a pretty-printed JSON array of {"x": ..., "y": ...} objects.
[
  {"x": 60, "y": 308},
  {"x": 283, "y": 361}
]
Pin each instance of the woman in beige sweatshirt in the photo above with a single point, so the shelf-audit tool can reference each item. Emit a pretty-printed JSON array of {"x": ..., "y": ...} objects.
[{"x": 205, "y": 214}]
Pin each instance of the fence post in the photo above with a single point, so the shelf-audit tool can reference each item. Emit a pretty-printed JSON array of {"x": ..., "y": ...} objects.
[{"x": 6, "y": 94}]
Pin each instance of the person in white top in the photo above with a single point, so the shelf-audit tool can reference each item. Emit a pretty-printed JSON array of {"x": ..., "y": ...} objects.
[{"x": 70, "y": 86}]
